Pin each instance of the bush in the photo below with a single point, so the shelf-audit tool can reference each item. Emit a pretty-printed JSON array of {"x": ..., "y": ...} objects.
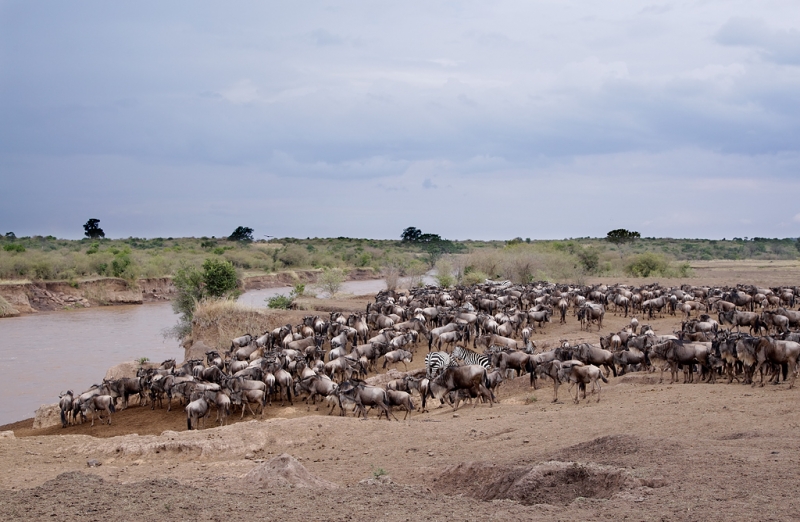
[
  {"x": 280, "y": 302},
  {"x": 474, "y": 277},
  {"x": 14, "y": 247},
  {"x": 220, "y": 279},
  {"x": 646, "y": 265},
  {"x": 444, "y": 273},
  {"x": 330, "y": 280}
]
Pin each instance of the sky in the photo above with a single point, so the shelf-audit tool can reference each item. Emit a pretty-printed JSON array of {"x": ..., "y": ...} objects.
[{"x": 468, "y": 119}]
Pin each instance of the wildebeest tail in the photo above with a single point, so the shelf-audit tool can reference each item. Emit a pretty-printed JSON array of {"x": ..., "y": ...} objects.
[
  {"x": 112, "y": 407},
  {"x": 63, "y": 418},
  {"x": 603, "y": 377},
  {"x": 189, "y": 423}
]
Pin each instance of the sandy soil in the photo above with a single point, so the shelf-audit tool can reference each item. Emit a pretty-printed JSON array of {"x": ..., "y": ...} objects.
[{"x": 646, "y": 451}]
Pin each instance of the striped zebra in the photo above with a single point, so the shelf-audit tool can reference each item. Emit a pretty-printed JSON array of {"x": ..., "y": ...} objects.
[
  {"x": 470, "y": 357},
  {"x": 435, "y": 362}
]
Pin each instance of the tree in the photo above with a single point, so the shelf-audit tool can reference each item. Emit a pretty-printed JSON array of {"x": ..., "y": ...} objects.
[
  {"x": 411, "y": 235},
  {"x": 432, "y": 244},
  {"x": 621, "y": 237},
  {"x": 92, "y": 229},
  {"x": 243, "y": 234}
]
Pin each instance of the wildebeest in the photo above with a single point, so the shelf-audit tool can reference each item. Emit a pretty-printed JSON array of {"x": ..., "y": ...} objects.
[
  {"x": 99, "y": 404},
  {"x": 196, "y": 410},
  {"x": 582, "y": 375},
  {"x": 472, "y": 377},
  {"x": 396, "y": 356}
]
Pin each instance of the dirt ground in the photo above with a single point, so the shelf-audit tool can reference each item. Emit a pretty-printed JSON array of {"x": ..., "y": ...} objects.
[{"x": 646, "y": 451}]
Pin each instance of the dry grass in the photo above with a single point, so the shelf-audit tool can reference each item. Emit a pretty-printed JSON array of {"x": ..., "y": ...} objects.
[{"x": 6, "y": 309}]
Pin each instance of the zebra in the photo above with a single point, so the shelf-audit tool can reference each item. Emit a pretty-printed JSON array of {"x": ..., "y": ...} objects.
[
  {"x": 470, "y": 357},
  {"x": 435, "y": 362}
]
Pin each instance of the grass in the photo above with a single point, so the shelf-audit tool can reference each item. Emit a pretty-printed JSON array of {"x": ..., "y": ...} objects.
[{"x": 6, "y": 309}]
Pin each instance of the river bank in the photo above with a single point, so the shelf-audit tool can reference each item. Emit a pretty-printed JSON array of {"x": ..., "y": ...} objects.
[{"x": 30, "y": 297}]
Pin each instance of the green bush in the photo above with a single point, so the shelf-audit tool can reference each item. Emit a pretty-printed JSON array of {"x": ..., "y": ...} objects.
[
  {"x": 279, "y": 301},
  {"x": 646, "y": 265},
  {"x": 14, "y": 247},
  {"x": 220, "y": 279}
]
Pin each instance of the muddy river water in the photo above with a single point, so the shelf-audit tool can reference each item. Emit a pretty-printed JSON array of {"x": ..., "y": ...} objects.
[{"x": 73, "y": 349}]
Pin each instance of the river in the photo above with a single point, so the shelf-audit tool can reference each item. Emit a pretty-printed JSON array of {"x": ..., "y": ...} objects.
[{"x": 73, "y": 349}]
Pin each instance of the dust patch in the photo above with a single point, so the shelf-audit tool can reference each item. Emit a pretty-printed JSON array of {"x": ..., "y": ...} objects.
[{"x": 553, "y": 482}]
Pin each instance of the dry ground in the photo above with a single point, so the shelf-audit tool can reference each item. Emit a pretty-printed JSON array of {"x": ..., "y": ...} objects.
[{"x": 646, "y": 451}]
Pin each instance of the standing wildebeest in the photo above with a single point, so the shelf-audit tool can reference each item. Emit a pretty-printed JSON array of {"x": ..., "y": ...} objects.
[
  {"x": 593, "y": 312},
  {"x": 472, "y": 378},
  {"x": 65, "y": 405},
  {"x": 778, "y": 352},
  {"x": 396, "y": 356},
  {"x": 400, "y": 398},
  {"x": 737, "y": 319},
  {"x": 589, "y": 354},
  {"x": 582, "y": 375},
  {"x": 98, "y": 404},
  {"x": 196, "y": 410}
]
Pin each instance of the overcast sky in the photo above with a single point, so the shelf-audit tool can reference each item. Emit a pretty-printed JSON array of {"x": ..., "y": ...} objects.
[{"x": 473, "y": 120}]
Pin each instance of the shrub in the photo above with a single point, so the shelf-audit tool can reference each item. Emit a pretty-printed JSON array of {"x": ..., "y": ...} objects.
[
  {"x": 330, "y": 280},
  {"x": 474, "y": 277},
  {"x": 220, "y": 279},
  {"x": 444, "y": 273},
  {"x": 42, "y": 270},
  {"x": 646, "y": 265},
  {"x": 14, "y": 247},
  {"x": 280, "y": 302}
]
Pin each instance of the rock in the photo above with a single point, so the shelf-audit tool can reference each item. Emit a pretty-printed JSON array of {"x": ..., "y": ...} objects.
[
  {"x": 47, "y": 415},
  {"x": 456, "y": 415},
  {"x": 93, "y": 463},
  {"x": 127, "y": 369},
  {"x": 7, "y": 435},
  {"x": 249, "y": 456},
  {"x": 285, "y": 470}
]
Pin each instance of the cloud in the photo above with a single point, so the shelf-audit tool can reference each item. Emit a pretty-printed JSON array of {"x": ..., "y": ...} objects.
[
  {"x": 776, "y": 45},
  {"x": 796, "y": 218}
]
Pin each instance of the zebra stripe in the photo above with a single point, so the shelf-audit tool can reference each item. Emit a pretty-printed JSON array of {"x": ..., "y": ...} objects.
[
  {"x": 470, "y": 357},
  {"x": 435, "y": 362}
]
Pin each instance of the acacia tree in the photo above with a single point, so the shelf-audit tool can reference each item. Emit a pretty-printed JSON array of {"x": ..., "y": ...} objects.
[
  {"x": 243, "y": 234},
  {"x": 432, "y": 244},
  {"x": 92, "y": 229},
  {"x": 622, "y": 237}
]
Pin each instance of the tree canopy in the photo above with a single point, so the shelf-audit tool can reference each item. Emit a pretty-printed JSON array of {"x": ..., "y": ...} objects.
[
  {"x": 92, "y": 229},
  {"x": 244, "y": 234},
  {"x": 432, "y": 244},
  {"x": 621, "y": 236},
  {"x": 411, "y": 235}
]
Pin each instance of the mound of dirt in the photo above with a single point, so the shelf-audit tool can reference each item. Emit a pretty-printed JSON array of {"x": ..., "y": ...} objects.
[
  {"x": 284, "y": 470},
  {"x": 553, "y": 482}
]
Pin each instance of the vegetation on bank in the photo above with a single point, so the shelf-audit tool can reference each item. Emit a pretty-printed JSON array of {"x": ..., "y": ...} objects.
[{"x": 48, "y": 258}]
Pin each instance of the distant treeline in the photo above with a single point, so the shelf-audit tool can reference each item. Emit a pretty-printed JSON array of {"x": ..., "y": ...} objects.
[{"x": 49, "y": 258}]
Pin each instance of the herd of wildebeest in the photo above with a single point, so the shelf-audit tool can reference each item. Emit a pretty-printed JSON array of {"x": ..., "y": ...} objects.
[{"x": 476, "y": 337}]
